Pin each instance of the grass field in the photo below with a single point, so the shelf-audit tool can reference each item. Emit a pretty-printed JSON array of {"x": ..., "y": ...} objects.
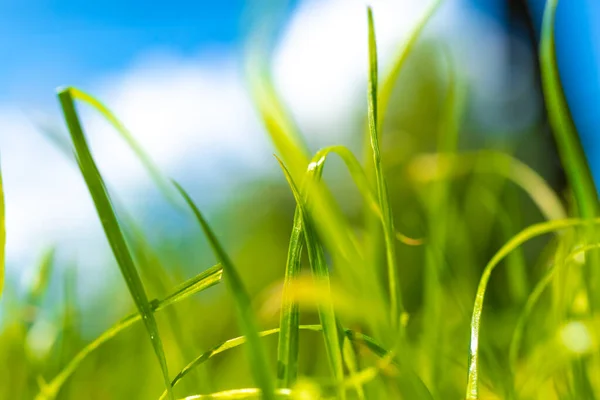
[{"x": 455, "y": 275}]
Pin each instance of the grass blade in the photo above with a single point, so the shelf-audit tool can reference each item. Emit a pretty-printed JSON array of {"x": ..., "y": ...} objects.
[
  {"x": 355, "y": 337},
  {"x": 571, "y": 154},
  {"x": 472, "y": 392},
  {"x": 200, "y": 282},
  {"x": 111, "y": 227},
  {"x": 256, "y": 353},
  {"x": 316, "y": 256},
  {"x": 443, "y": 166},
  {"x": 161, "y": 181},
  {"x": 396, "y": 306},
  {"x": 287, "y": 346},
  {"x": 391, "y": 78}
]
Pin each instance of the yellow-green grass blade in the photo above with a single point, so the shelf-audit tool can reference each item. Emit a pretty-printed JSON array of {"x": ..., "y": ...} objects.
[
  {"x": 316, "y": 257},
  {"x": 356, "y": 337},
  {"x": 2, "y": 236},
  {"x": 362, "y": 183},
  {"x": 517, "y": 337},
  {"x": 161, "y": 181},
  {"x": 42, "y": 278},
  {"x": 569, "y": 148},
  {"x": 287, "y": 346},
  {"x": 279, "y": 125},
  {"x": 565, "y": 134},
  {"x": 388, "y": 83},
  {"x": 256, "y": 353},
  {"x": 198, "y": 283},
  {"x": 246, "y": 393},
  {"x": 396, "y": 304},
  {"x": 428, "y": 167},
  {"x": 111, "y": 226},
  {"x": 472, "y": 392}
]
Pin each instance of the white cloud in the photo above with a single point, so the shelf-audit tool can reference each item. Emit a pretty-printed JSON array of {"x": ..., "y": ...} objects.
[{"x": 194, "y": 117}]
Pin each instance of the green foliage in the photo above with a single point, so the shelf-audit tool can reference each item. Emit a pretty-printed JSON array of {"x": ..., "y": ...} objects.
[{"x": 376, "y": 313}]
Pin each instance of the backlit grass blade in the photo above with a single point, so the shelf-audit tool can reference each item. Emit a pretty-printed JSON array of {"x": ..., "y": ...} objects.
[
  {"x": 2, "y": 235},
  {"x": 396, "y": 305},
  {"x": 200, "y": 282},
  {"x": 258, "y": 361},
  {"x": 111, "y": 227},
  {"x": 355, "y": 337},
  {"x": 278, "y": 123},
  {"x": 42, "y": 277},
  {"x": 287, "y": 346},
  {"x": 362, "y": 183},
  {"x": 571, "y": 154},
  {"x": 246, "y": 393},
  {"x": 428, "y": 167},
  {"x": 160, "y": 180},
  {"x": 472, "y": 392},
  {"x": 389, "y": 82},
  {"x": 316, "y": 257}
]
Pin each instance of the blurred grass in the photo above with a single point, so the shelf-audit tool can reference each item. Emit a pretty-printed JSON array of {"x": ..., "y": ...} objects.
[{"x": 348, "y": 305}]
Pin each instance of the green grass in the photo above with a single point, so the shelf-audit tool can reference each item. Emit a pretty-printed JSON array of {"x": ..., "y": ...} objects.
[{"x": 364, "y": 280}]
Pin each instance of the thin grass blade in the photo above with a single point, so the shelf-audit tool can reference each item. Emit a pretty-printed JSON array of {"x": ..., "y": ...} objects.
[
  {"x": 396, "y": 305},
  {"x": 111, "y": 227},
  {"x": 258, "y": 361},
  {"x": 198, "y": 283},
  {"x": 472, "y": 392},
  {"x": 287, "y": 346},
  {"x": 316, "y": 256}
]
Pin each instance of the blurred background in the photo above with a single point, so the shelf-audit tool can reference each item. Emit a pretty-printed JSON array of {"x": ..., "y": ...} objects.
[{"x": 176, "y": 74}]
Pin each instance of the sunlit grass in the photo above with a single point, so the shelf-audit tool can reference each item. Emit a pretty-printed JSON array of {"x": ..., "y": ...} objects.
[{"x": 365, "y": 310}]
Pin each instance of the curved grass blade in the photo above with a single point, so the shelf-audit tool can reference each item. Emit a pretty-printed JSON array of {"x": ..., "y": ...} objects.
[
  {"x": 111, "y": 227},
  {"x": 278, "y": 124},
  {"x": 565, "y": 134},
  {"x": 256, "y": 353},
  {"x": 442, "y": 166},
  {"x": 287, "y": 346},
  {"x": 161, "y": 181},
  {"x": 316, "y": 256},
  {"x": 42, "y": 278},
  {"x": 200, "y": 282},
  {"x": 357, "y": 337},
  {"x": 396, "y": 305},
  {"x": 2, "y": 235},
  {"x": 247, "y": 393},
  {"x": 517, "y": 337},
  {"x": 391, "y": 78},
  {"x": 472, "y": 392},
  {"x": 362, "y": 183}
]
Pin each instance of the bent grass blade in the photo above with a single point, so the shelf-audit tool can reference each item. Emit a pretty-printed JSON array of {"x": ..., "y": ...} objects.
[
  {"x": 200, "y": 282},
  {"x": 110, "y": 224}
]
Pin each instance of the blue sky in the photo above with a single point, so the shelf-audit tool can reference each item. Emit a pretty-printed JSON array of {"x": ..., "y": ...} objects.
[{"x": 50, "y": 43}]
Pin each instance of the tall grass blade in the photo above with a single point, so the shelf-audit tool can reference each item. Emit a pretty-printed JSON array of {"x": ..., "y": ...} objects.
[
  {"x": 355, "y": 337},
  {"x": 389, "y": 81},
  {"x": 571, "y": 154},
  {"x": 256, "y": 353},
  {"x": 161, "y": 181},
  {"x": 316, "y": 256},
  {"x": 111, "y": 226},
  {"x": 287, "y": 346},
  {"x": 565, "y": 134},
  {"x": 472, "y": 392},
  {"x": 200, "y": 282},
  {"x": 396, "y": 305}
]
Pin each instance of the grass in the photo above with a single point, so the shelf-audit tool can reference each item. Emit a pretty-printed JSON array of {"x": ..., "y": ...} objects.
[{"x": 327, "y": 287}]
